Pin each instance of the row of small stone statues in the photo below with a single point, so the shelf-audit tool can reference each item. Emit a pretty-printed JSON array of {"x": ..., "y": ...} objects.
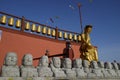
[{"x": 58, "y": 68}]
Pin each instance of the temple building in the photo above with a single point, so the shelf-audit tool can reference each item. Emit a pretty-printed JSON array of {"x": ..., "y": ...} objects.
[{"x": 33, "y": 51}]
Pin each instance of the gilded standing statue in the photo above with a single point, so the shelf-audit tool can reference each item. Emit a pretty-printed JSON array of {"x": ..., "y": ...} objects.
[{"x": 88, "y": 51}]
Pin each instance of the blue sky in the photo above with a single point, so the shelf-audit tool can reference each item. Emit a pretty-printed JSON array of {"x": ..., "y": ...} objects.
[{"x": 104, "y": 15}]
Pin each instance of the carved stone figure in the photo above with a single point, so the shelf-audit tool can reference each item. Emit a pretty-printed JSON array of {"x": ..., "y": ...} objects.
[
  {"x": 118, "y": 65},
  {"x": 43, "y": 69},
  {"x": 110, "y": 69},
  {"x": 86, "y": 66},
  {"x": 78, "y": 68},
  {"x": 87, "y": 69},
  {"x": 96, "y": 70},
  {"x": 77, "y": 63},
  {"x": 67, "y": 65},
  {"x": 116, "y": 68},
  {"x": 27, "y": 68},
  {"x": 10, "y": 68},
  {"x": 56, "y": 67},
  {"x": 88, "y": 51},
  {"x": 103, "y": 70}
]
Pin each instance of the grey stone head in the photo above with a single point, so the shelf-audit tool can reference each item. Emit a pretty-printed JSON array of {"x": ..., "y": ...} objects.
[
  {"x": 115, "y": 65},
  {"x": 86, "y": 63},
  {"x": 10, "y": 59},
  {"x": 100, "y": 64},
  {"x": 94, "y": 65},
  {"x": 27, "y": 60},
  {"x": 56, "y": 62},
  {"x": 44, "y": 61},
  {"x": 118, "y": 66},
  {"x": 108, "y": 65},
  {"x": 67, "y": 63},
  {"x": 77, "y": 63}
]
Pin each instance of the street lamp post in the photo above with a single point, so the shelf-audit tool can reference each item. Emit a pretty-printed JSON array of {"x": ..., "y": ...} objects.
[{"x": 79, "y": 7}]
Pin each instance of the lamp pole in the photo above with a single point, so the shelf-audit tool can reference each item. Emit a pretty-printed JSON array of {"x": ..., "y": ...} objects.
[{"x": 80, "y": 15}]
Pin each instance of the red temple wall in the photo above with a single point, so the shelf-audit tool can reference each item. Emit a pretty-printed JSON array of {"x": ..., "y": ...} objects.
[{"x": 22, "y": 43}]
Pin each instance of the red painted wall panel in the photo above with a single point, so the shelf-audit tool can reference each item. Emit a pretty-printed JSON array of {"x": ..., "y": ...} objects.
[{"x": 21, "y": 44}]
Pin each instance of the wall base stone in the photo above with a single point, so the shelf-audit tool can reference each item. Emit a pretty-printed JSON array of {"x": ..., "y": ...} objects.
[{"x": 53, "y": 78}]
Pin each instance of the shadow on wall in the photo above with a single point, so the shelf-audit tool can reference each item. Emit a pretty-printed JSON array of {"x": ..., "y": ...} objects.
[{"x": 67, "y": 52}]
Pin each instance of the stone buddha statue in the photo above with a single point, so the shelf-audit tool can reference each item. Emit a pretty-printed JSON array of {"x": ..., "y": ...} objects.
[
  {"x": 43, "y": 69},
  {"x": 56, "y": 67},
  {"x": 88, "y": 51},
  {"x": 78, "y": 68},
  {"x": 116, "y": 68},
  {"x": 103, "y": 70},
  {"x": 86, "y": 66},
  {"x": 67, "y": 68},
  {"x": 10, "y": 68},
  {"x": 27, "y": 69},
  {"x": 96, "y": 70},
  {"x": 87, "y": 69},
  {"x": 109, "y": 68}
]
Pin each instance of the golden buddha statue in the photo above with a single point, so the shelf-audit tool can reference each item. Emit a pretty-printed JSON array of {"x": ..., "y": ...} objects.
[{"x": 88, "y": 51}]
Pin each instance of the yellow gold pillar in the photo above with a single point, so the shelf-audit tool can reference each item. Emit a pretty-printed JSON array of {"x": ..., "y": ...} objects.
[
  {"x": 44, "y": 30},
  {"x": 53, "y": 33},
  {"x": 70, "y": 36},
  {"x": 65, "y": 35},
  {"x": 48, "y": 31},
  {"x": 33, "y": 27},
  {"x": 3, "y": 19},
  {"x": 27, "y": 25},
  {"x": 60, "y": 34},
  {"x": 39, "y": 29},
  {"x": 11, "y": 21},
  {"x": 79, "y": 38},
  {"x": 74, "y": 37},
  {"x": 18, "y": 23}
]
